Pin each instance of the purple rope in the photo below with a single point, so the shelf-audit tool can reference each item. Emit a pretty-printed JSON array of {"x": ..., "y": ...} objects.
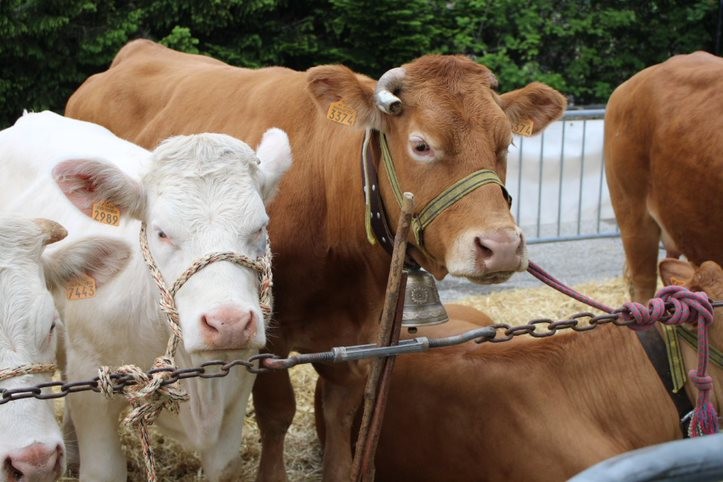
[{"x": 672, "y": 305}]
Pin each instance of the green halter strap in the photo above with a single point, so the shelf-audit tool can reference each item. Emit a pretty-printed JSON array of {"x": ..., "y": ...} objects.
[{"x": 447, "y": 198}]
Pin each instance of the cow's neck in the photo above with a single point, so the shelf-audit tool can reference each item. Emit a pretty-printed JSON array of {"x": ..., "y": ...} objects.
[{"x": 323, "y": 260}]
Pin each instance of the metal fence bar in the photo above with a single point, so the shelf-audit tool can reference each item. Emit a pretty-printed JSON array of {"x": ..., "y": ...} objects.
[
  {"x": 539, "y": 190},
  {"x": 519, "y": 178},
  {"x": 535, "y": 206},
  {"x": 559, "y": 184},
  {"x": 582, "y": 175}
]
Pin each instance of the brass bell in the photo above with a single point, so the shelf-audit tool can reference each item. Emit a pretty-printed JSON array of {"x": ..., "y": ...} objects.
[{"x": 421, "y": 300}]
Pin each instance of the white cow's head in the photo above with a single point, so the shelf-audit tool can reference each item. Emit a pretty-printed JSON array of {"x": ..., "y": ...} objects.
[
  {"x": 31, "y": 445},
  {"x": 202, "y": 194}
]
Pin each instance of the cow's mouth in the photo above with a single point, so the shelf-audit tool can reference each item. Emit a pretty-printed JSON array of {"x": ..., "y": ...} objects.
[{"x": 491, "y": 278}]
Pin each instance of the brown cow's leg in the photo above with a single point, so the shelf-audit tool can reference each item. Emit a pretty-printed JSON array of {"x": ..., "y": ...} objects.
[
  {"x": 341, "y": 395},
  {"x": 275, "y": 406},
  {"x": 641, "y": 235}
]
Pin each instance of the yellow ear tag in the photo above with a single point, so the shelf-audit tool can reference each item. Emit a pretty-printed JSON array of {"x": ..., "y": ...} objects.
[
  {"x": 523, "y": 128},
  {"x": 80, "y": 288},
  {"x": 676, "y": 282},
  {"x": 106, "y": 212},
  {"x": 341, "y": 113}
]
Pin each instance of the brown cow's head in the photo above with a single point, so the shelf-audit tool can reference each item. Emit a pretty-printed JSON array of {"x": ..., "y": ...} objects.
[
  {"x": 707, "y": 277},
  {"x": 443, "y": 121}
]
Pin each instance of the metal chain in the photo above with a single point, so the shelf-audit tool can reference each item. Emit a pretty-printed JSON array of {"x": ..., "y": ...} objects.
[{"x": 264, "y": 362}]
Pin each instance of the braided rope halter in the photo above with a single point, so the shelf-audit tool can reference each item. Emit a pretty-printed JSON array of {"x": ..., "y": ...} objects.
[
  {"x": 148, "y": 396},
  {"x": 28, "y": 369}
]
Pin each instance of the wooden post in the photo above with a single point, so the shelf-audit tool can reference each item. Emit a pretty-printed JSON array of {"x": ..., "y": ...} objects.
[{"x": 363, "y": 465}]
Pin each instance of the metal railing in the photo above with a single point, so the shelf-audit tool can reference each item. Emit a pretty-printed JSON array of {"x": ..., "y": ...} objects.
[{"x": 558, "y": 178}]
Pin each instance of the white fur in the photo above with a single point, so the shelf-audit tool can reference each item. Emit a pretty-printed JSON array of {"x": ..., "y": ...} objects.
[
  {"x": 207, "y": 193},
  {"x": 30, "y": 325}
]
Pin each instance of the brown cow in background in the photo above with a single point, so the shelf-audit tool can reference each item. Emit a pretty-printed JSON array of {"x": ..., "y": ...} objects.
[
  {"x": 664, "y": 164},
  {"x": 532, "y": 409},
  {"x": 443, "y": 120}
]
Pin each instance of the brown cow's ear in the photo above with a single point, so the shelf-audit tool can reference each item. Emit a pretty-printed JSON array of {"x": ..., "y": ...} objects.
[
  {"x": 97, "y": 187},
  {"x": 99, "y": 258},
  {"x": 344, "y": 97},
  {"x": 533, "y": 107},
  {"x": 676, "y": 272}
]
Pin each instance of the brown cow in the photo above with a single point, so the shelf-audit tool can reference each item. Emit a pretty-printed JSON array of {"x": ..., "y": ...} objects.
[
  {"x": 532, "y": 409},
  {"x": 443, "y": 121},
  {"x": 664, "y": 164}
]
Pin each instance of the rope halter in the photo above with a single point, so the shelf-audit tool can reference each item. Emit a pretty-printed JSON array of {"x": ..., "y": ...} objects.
[
  {"x": 151, "y": 394},
  {"x": 29, "y": 369}
]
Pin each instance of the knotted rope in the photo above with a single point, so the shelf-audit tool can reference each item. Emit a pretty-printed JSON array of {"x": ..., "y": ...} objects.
[
  {"x": 679, "y": 305},
  {"x": 29, "y": 369},
  {"x": 149, "y": 395},
  {"x": 672, "y": 305}
]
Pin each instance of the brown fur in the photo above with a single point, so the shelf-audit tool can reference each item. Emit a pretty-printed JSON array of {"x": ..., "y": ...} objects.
[
  {"x": 529, "y": 409},
  {"x": 329, "y": 282},
  {"x": 664, "y": 163}
]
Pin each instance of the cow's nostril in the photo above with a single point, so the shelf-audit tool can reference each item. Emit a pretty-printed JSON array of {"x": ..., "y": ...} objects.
[
  {"x": 13, "y": 474},
  {"x": 484, "y": 251},
  {"x": 208, "y": 326}
]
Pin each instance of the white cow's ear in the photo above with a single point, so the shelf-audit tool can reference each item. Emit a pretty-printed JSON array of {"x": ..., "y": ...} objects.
[
  {"x": 274, "y": 151},
  {"x": 86, "y": 182},
  {"x": 100, "y": 258}
]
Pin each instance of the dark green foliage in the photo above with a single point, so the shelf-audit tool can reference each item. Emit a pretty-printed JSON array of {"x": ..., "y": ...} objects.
[{"x": 584, "y": 48}]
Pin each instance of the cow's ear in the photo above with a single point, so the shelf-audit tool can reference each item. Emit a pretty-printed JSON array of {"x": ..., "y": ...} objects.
[
  {"x": 676, "y": 272},
  {"x": 88, "y": 183},
  {"x": 98, "y": 258},
  {"x": 274, "y": 152},
  {"x": 531, "y": 108},
  {"x": 344, "y": 97}
]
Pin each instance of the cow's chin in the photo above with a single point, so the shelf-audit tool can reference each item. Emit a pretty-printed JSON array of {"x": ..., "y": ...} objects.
[
  {"x": 206, "y": 353},
  {"x": 491, "y": 278}
]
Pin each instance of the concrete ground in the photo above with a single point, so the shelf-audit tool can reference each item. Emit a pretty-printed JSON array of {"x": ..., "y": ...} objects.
[{"x": 572, "y": 262}]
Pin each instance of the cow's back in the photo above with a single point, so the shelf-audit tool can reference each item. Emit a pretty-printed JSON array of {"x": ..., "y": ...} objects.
[
  {"x": 143, "y": 95},
  {"x": 664, "y": 157}
]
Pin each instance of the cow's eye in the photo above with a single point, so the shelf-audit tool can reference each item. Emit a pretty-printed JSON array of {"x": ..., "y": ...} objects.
[
  {"x": 52, "y": 327},
  {"x": 420, "y": 147},
  {"x": 162, "y": 235}
]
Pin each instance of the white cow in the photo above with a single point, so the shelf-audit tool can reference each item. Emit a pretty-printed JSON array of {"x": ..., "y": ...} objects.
[
  {"x": 31, "y": 445},
  {"x": 197, "y": 195}
]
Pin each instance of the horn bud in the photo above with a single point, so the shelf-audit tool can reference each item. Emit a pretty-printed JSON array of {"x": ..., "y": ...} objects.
[
  {"x": 53, "y": 231},
  {"x": 390, "y": 81}
]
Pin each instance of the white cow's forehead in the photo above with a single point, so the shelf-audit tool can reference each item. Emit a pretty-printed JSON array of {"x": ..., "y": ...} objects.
[
  {"x": 202, "y": 156},
  {"x": 19, "y": 240},
  {"x": 26, "y": 310},
  {"x": 193, "y": 204}
]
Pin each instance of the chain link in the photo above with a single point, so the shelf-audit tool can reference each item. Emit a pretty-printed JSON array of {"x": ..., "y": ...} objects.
[{"x": 264, "y": 362}]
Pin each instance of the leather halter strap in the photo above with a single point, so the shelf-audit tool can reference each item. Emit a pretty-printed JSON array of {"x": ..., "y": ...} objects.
[
  {"x": 375, "y": 216},
  {"x": 376, "y": 222},
  {"x": 655, "y": 348}
]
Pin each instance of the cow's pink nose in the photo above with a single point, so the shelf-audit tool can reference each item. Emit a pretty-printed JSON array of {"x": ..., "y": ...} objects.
[
  {"x": 35, "y": 463},
  {"x": 228, "y": 328},
  {"x": 500, "y": 250}
]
